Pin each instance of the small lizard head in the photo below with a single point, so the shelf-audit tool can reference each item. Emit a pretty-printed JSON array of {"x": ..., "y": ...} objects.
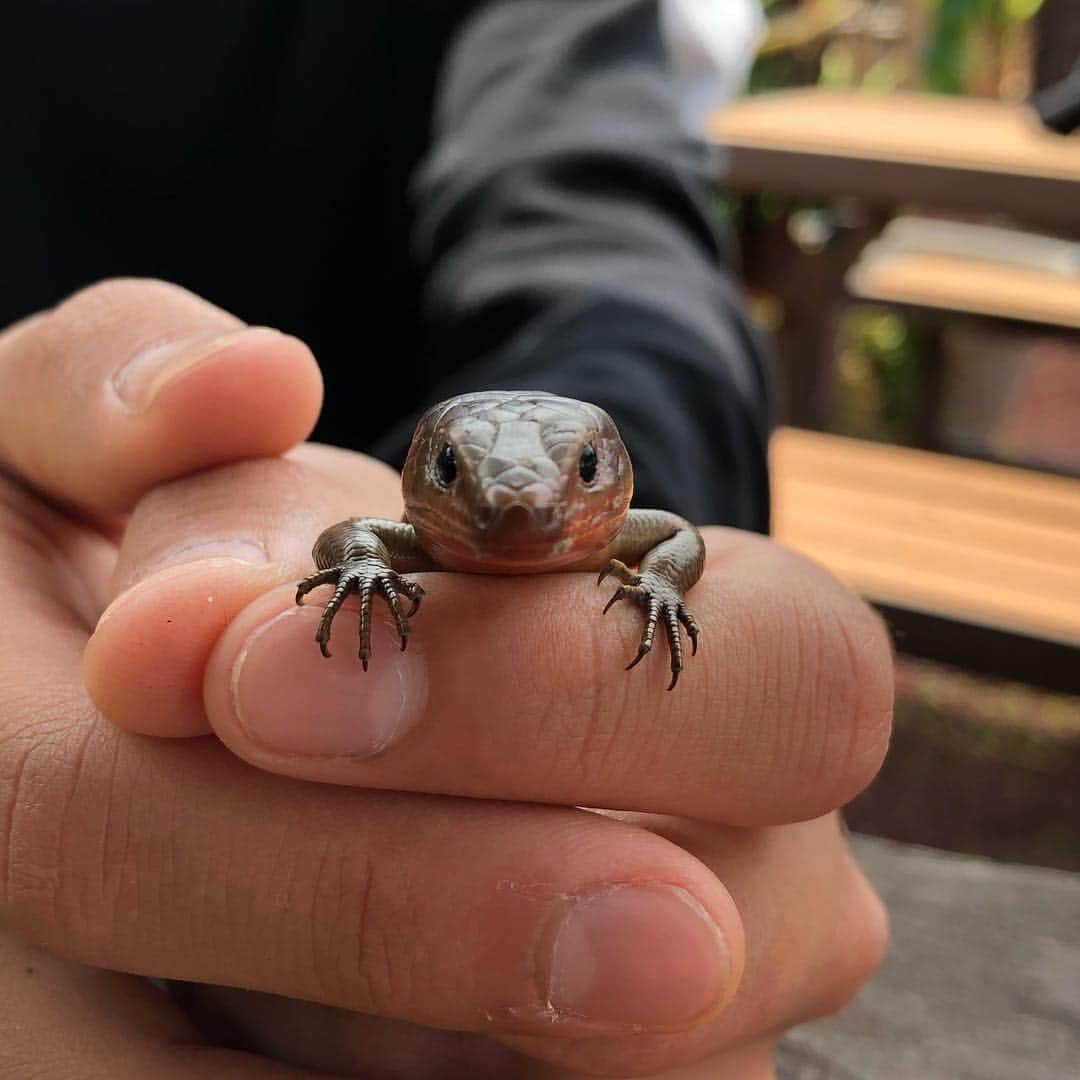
[{"x": 516, "y": 481}]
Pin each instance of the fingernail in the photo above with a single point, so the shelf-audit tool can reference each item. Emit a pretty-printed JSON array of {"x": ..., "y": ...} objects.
[
  {"x": 635, "y": 957},
  {"x": 291, "y": 699},
  {"x": 142, "y": 378}
]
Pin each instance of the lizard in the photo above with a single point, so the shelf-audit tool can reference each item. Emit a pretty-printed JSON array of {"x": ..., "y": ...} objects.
[{"x": 514, "y": 482}]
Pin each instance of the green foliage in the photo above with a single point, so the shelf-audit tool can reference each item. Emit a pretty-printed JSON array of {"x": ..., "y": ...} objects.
[
  {"x": 1022, "y": 10},
  {"x": 879, "y": 376},
  {"x": 947, "y": 54},
  {"x": 838, "y": 67}
]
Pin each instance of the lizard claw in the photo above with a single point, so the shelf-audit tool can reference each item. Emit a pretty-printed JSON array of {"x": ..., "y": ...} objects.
[
  {"x": 661, "y": 600},
  {"x": 365, "y": 577},
  {"x": 692, "y": 628},
  {"x": 621, "y": 571},
  {"x": 313, "y": 581},
  {"x": 642, "y": 652}
]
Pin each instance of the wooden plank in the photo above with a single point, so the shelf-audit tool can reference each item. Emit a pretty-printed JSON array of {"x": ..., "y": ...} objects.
[
  {"x": 904, "y": 542},
  {"x": 932, "y": 479},
  {"x": 955, "y": 283},
  {"x": 953, "y": 132},
  {"x": 969, "y": 541},
  {"x": 1020, "y": 541},
  {"x": 913, "y": 578},
  {"x": 900, "y": 148}
]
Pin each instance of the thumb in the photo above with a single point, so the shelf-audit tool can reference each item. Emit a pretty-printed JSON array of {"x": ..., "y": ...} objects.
[{"x": 132, "y": 382}]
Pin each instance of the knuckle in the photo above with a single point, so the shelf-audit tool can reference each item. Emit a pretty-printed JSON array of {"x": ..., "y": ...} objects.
[
  {"x": 359, "y": 962},
  {"x": 111, "y": 299},
  {"x": 35, "y": 769},
  {"x": 20, "y": 847},
  {"x": 69, "y": 865}
]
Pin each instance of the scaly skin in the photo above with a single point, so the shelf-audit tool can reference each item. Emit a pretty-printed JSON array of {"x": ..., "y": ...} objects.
[{"x": 514, "y": 482}]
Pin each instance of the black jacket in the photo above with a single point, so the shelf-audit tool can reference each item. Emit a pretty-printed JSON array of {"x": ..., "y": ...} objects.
[{"x": 455, "y": 195}]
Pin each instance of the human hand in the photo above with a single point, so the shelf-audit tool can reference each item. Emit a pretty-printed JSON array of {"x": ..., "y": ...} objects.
[
  {"x": 451, "y": 876},
  {"x": 174, "y": 859}
]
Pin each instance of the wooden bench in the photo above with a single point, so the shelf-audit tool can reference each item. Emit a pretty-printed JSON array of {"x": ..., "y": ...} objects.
[
  {"x": 954, "y": 283},
  {"x": 991, "y": 551},
  {"x": 899, "y": 148}
]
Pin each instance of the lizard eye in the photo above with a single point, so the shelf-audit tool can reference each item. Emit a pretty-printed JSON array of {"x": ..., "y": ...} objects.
[
  {"x": 446, "y": 465},
  {"x": 587, "y": 465}
]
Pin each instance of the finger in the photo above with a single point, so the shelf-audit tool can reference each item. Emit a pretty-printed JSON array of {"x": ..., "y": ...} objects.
[
  {"x": 64, "y": 1020},
  {"x": 479, "y": 917},
  {"x": 210, "y": 544},
  {"x": 131, "y": 382},
  {"x": 805, "y": 958},
  {"x": 815, "y": 931},
  {"x": 782, "y": 715},
  {"x": 260, "y": 510}
]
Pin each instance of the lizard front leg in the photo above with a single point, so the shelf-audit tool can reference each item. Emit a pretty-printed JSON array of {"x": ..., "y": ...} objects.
[
  {"x": 670, "y": 555},
  {"x": 362, "y": 555}
]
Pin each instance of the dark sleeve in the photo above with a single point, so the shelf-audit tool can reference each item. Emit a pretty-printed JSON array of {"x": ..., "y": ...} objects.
[{"x": 562, "y": 220}]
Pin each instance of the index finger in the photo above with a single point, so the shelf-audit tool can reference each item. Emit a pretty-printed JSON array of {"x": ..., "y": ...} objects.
[{"x": 514, "y": 688}]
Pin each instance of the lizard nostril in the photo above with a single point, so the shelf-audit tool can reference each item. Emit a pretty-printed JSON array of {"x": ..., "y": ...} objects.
[{"x": 511, "y": 517}]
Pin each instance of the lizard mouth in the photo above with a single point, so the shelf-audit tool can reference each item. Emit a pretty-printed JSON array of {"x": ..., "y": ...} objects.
[
  {"x": 516, "y": 522},
  {"x": 516, "y": 539}
]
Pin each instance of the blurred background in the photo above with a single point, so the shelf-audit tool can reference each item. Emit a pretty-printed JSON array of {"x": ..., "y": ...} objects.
[
  {"x": 908, "y": 231},
  {"x": 904, "y": 186}
]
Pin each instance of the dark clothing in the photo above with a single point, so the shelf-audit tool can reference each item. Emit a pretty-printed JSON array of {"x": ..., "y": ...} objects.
[{"x": 536, "y": 219}]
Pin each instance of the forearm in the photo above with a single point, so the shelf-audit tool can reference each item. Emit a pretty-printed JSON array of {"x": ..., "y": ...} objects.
[{"x": 563, "y": 221}]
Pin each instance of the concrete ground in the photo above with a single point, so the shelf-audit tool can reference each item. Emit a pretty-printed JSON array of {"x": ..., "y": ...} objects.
[{"x": 982, "y": 981}]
